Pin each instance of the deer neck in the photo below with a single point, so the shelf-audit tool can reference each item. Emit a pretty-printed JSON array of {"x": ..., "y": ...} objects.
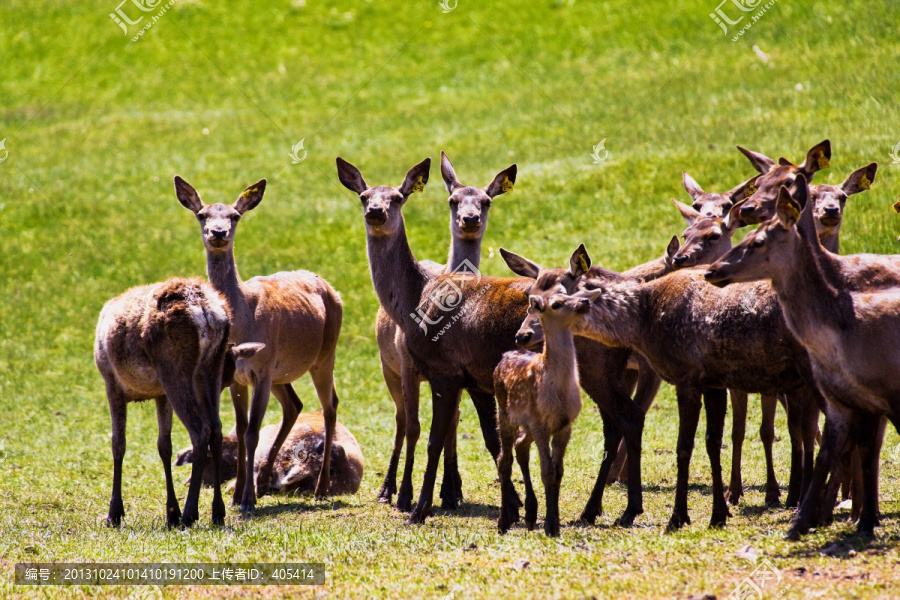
[
  {"x": 831, "y": 242},
  {"x": 615, "y": 317},
  {"x": 223, "y": 275},
  {"x": 462, "y": 250},
  {"x": 397, "y": 277},
  {"x": 559, "y": 350}
]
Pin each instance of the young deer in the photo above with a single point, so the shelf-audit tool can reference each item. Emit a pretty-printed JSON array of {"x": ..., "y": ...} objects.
[
  {"x": 468, "y": 221},
  {"x": 539, "y": 393},
  {"x": 849, "y": 334},
  {"x": 296, "y": 314},
  {"x": 299, "y": 461},
  {"x": 456, "y": 327},
  {"x": 704, "y": 342},
  {"x": 168, "y": 341}
]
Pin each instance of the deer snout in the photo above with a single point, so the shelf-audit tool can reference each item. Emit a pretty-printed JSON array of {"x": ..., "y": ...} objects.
[
  {"x": 218, "y": 234},
  {"x": 471, "y": 221},
  {"x": 523, "y": 337},
  {"x": 376, "y": 215},
  {"x": 679, "y": 260}
]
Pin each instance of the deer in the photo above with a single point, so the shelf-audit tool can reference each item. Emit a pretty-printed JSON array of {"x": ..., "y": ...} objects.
[
  {"x": 539, "y": 393},
  {"x": 469, "y": 208},
  {"x": 701, "y": 340},
  {"x": 299, "y": 461},
  {"x": 844, "y": 323},
  {"x": 168, "y": 342},
  {"x": 296, "y": 314},
  {"x": 456, "y": 326}
]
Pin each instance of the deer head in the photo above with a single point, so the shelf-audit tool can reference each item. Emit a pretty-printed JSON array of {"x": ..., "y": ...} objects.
[
  {"x": 706, "y": 238},
  {"x": 829, "y": 200},
  {"x": 218, "y": 222},
  {"x": 711, "y": 204},
  {"x": 469, "y": 205},
  {"x": 760, "y": 205},
  {"x": 382, "y": 204},
  {"x": 771, "y": 249}
]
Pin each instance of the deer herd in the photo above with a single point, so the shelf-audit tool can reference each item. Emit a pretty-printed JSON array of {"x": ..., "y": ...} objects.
[{"x": 781, "y": 314}]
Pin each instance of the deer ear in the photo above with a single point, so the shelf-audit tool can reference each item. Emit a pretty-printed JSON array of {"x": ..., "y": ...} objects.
[
  {"x": 187, "y": 195},
  {"x": 580, "y": 262},
  {"x": 787, "y": 211},
  {"x": 251, "y": 197},
  {"x": 519, "y": 264},
  {"x": 692, "y": 187},
  {"x": 690, "y": 215},
  {"x": 448, "y": 174},
  {"x": 536, "y": 303},
  {"x": 743, "y": 190},
  {"x": 860, "y": 180},
  {"x": 672, "y": 248},
  {"x": 350, "y": 176},
  {"x": 733, "y": 219},
  {"x": 247, "y": 350},
  {"x": 503, "y": 182},
  {"x": 760, "y": 162},
  {"x": 416, "y": 178},
  {"x": 591, "y": 295},
  {"x": 818, "y": 158}
]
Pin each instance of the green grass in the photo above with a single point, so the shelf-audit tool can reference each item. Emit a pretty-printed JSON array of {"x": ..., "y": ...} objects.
[{"x": 96, "y": 126}]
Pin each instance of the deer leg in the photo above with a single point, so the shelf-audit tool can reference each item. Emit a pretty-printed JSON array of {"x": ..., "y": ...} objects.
[
  {"x": 767, "y": 435},
  {"x": 689, "y": 405},
  {"x": 451, "y": 486},
  {"x": 648, "y": 383},
  {"x": 869, "y": 448},
  {"x": 410, "y": 386},
  {"x": 212, "y": 389},
  {"x": 258, "y": 404},
  {"x": 118, "y": 415},
  {"x": 794, "y": 408},
  {"x": 444, "y": 399},
  {"x": 523, "y": 457},
  {"x": 239, "y": 399},
  {"x": 716, "y": 403},
  {"x": 509, "y": 505},
  {"x": 810, "y": 428},
  {"x": 558, "y": 444},
  {"x": 323, "y": 380},
  {"x": 395, "y": 387},
  {"x": 838, "y": 426},
  {"x": 291, "y": 405},
  {"x": 612, "y": 435},
  {"x": 738, "y": 432},
  {"x": 164, "y": 447}
]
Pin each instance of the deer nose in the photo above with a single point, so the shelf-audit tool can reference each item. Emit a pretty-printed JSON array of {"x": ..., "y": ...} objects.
[
  {"x": 523, "y": 337},
  {"x": 471, "y": 220},
  {"x": 679, "y": 259},
  {"x": 832, "y": 211},
  {"x": 219, "y": 234},
  {"x": 748, "y": 209},
  {"x": 375, "y": 212}
]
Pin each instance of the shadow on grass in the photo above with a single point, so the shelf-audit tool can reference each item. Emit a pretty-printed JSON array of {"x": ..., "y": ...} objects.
[{"x": 297, "y": 504}]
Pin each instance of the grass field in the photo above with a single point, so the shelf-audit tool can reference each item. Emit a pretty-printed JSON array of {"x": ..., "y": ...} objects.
[{"x": 96, "y": 125}]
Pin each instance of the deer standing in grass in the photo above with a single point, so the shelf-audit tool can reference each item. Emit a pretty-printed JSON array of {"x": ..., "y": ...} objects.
[
  {"x": 468, "y": 221},
  {"x": 168, "y": 342},
  {"x": 850, "y": 334},
  {"x": 539, "y": 393},
  {"x": 456, "y": 327},
  {"x": 296, "y": 314}
]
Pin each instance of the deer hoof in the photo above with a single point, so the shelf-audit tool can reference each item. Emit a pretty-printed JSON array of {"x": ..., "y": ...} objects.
[{"x": 678, "y": 521}]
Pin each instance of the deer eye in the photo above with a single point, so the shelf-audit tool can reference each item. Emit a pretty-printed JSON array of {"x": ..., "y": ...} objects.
[
  {"x": 696, "y": 206},
  {"x": 758, "y": 243},
  {"x": 713, "y": 237},
  {"x": 556, "y": 305},
  {"x": 453, "y": 202},
  {"x": 202, "y": 217}
]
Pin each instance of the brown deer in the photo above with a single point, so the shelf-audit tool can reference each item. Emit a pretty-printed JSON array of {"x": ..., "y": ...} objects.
[
  {"x": 704, "y": 342},
  {"x": 457, "y": 326},
  {"x": 539, "y": 393},
  {"x": 296, "y": 314},
  {"x": 713, "y": 204},
  {"x": 468, "y": 221},
  {"x": 299, "y": 461},
  {"x": 168, "y": 342},
  {"x": 848, "y": 332}
]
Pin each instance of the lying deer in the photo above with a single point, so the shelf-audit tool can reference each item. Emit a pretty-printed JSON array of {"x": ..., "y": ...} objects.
[
  {"x": 296, "y": 314},
  {"x": 169, "y": 342},
  {"x": 539, "y": 393},
  {"x": 849, "y": 335},
  {"x": 468, "y": 221},
  {"x": 299, "y": 461},
  {"x": 456, "y": 327}
]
